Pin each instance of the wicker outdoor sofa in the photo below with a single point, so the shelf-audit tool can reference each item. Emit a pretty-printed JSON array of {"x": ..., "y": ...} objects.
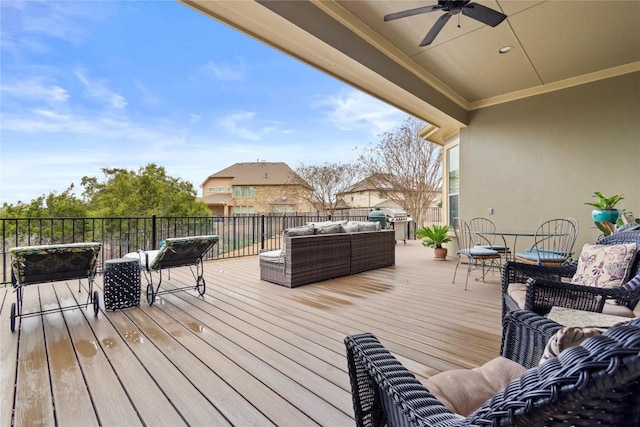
[
  {"x": 314, "y": 257},
  {"x": 595, "y": 383}
]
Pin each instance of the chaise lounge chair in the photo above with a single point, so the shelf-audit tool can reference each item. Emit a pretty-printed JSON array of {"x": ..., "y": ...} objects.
[
  {"x": 52, "y": 263},
  {"x": 175, "y": 252}
]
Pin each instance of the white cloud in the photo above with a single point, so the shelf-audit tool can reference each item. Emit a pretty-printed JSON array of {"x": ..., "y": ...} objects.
[
  {"x": 98, "y": 89},
  {"x": 224, "y": 72},
  {"x": 352, "y": 110},
  {"x": 36, "y": 88},
  {"x": 243, "y": 125}
]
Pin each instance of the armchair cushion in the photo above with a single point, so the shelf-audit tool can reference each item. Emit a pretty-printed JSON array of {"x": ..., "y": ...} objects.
[
  {"x": 463, "y": 391},
  {"x": 518, "y": 292},
  {"x": 605, "y": 266}
]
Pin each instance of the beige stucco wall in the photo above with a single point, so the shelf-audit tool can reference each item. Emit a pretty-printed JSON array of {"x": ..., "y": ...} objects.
[{"x": 543, "y": 157}]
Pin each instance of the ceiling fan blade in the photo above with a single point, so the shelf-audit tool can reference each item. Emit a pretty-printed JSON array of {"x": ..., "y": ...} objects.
[
  {"x": 433, "y": 32},
  {"x": 412, "y": 12},
  {"x": 483, "y": 14}
]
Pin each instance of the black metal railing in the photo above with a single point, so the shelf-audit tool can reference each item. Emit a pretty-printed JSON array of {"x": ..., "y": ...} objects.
[{"x": 239, "y": 235}]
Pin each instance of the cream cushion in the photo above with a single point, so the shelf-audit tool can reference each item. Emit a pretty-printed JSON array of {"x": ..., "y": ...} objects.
[
  {"x": 272, "y": 256},
  {"x": 463, "y": 391},
  {"x": 518, "y": 291},
  {"x": 604, "y": 266},
  {"x": 613, "y": 308}
]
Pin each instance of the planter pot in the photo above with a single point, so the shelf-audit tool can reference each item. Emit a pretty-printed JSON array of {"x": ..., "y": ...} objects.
[
  {"x": 610, "y": 215},
  {"x": 440, "y": 254}
]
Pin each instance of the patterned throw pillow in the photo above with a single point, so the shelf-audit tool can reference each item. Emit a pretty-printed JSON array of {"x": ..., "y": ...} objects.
[
  {"x": 569, "y": 336},
  {"x": 605, "y": 266}
]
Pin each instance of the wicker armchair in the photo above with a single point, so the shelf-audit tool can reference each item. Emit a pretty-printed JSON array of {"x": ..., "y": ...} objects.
[
  {"x": 545, "y": 288},
  {"x": 524, "y": 336},
  {"x": 595, "y": 383}
]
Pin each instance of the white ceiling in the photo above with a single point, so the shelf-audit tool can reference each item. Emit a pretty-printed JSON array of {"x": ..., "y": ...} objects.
[{"x": 556, "y": 44}]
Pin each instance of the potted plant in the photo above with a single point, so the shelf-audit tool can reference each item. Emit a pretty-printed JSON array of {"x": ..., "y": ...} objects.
[
  {"x": 605, "y": 207},
  {"x": 434, "y": 236}
]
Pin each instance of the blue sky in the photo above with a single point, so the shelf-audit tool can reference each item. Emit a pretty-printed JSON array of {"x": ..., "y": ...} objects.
[{"x": 92, "y": 84}]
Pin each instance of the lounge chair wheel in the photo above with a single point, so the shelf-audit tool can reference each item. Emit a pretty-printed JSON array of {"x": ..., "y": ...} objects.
[
  {"x": 96, "y": 303},
  {"x": 201, "y": 286},
  {"x": 150, "y": 295},
  {"x": 13, "y": 317}
]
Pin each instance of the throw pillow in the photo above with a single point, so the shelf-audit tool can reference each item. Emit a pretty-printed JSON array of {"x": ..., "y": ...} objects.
[
  {"x": 567, "y": 337},
  {"x": 303, "y": 230},
  {"x": 463, "y": 391},
  {"x": 350, "y": 228},
  {"x": 605, "y": 266},
  {"x": 329, "y": 229}
]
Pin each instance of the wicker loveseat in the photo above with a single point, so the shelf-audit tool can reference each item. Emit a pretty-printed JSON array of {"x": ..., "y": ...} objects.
[
  {"x": 595, "y": 383},
  {"x": 315, "y": 257}
]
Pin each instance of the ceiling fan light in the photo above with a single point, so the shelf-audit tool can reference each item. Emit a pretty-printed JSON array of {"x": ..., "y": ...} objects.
[{"x": 505, "y": 49}]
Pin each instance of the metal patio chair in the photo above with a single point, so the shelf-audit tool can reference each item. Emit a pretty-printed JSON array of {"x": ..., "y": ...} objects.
[{"x": 475, "y": 255}]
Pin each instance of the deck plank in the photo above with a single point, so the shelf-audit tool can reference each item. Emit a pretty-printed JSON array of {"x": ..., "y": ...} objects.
[
  {"x": 33, "y": 402},
  {"x": 248, "y": 352},
  {"x": 111, "y": 402},
  {"x": 72, "y": 402}
]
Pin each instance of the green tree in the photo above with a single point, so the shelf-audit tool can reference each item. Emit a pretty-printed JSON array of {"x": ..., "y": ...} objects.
[{"x": 148, "y": 191}]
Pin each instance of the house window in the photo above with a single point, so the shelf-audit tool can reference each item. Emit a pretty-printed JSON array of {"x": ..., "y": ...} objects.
[
  {"x": 244, "y": 191},
  {"x": 220, "y": 189},
  {"x": 382, "y": 195},
  {"x": 211, "y": 189},
  {"x": 453, "y": 179},
  {"x": 228, "y": 189},
  {"x": 244, "y": 210}
]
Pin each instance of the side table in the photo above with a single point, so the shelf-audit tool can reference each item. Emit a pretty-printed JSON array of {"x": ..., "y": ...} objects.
[{"x": 121, "y": 283}]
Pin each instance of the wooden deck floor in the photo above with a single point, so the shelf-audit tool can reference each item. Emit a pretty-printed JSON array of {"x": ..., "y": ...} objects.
[{"x": 247, "y": 353}]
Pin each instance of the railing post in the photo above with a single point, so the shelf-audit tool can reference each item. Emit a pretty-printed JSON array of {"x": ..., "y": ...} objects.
[
  {"x": 154, "y": 239},
  {"x": 262, "y": 234}
]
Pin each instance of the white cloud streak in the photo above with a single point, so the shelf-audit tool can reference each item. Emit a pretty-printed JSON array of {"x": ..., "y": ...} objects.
[
  {"x": 351, "y": 110},
  {"x": 35, "y": 88},
  {"x": 98, "y": 90},
  {"x": 243, "y": 124}
]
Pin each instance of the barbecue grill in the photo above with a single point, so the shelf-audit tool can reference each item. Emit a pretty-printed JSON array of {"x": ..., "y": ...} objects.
[{"x": 399, "y": 220}]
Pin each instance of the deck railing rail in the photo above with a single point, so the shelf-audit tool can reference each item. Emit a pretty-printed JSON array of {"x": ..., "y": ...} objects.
[{"x": 239, "y": 235}]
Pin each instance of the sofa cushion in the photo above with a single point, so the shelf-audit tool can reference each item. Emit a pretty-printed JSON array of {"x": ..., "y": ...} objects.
[
  {"x": 605, "y": 266},
  {"x": 463, "y": 391},
  {"x": 366, "y": 225},
  {"x": 325, "y": 223},
  {"x": 272, "y": 256}
]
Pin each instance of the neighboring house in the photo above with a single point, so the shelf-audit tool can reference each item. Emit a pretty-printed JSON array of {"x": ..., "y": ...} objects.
[
  {"x": 368, "y": 193},
  {"x": 373, "y": 192},
  {"x": 254, "y": 188}
]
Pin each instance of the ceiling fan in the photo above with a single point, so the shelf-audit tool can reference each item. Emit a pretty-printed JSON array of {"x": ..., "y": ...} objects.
[{"x": 451, "y": 7}]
